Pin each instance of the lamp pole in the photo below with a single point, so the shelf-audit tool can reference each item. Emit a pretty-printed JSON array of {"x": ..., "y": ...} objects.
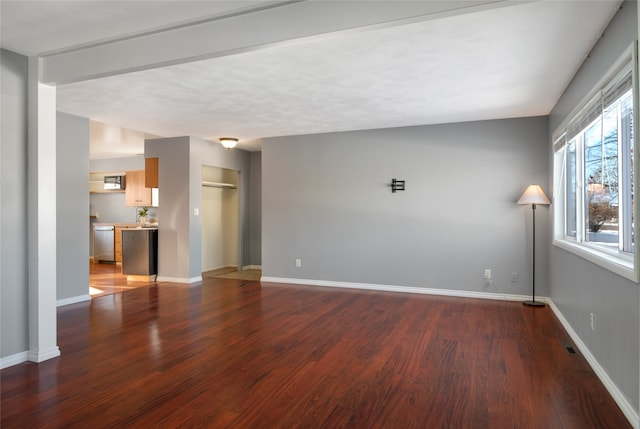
[
  {"x": 533, "y": 302},
  {"x": 534, "y": 195}
]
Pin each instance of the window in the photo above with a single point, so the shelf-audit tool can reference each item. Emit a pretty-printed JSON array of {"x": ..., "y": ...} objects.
[{"x": 594, "y": 173}]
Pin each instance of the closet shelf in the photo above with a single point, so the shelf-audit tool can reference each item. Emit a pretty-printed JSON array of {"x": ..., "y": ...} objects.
[{"x": 218, "y": 185}]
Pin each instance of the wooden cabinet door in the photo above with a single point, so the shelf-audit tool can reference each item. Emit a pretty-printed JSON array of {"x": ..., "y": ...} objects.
[
  {"x": 136, "y": 193},
  {"x": 118, "y": 244},
  {"x": 151, "y": 172}
]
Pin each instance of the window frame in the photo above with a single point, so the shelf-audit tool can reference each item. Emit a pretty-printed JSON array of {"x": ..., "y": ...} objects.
[{"x": 618, "y": 261}]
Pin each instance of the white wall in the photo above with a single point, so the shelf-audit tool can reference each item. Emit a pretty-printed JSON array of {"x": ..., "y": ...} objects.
[
  {"x": 326, "y": 200},
  {"x": 579, "y": 287},
  {"x": 213, "y": 256}
]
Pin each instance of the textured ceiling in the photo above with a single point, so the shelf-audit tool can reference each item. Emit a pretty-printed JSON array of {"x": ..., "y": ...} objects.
[{"x": 505, "y": 62}]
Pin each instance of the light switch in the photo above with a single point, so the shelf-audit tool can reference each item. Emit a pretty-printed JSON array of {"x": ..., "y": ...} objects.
[{"x": 196, "y": 212}]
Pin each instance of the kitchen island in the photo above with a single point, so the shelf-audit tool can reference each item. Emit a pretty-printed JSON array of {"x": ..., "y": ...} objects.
[{"x": 140, "y": 253}]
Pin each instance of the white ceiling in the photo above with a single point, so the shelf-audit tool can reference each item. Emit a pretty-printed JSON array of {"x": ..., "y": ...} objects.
[
  {"x": 32, "y": 27},
  {"x": 511, "y": 61}
]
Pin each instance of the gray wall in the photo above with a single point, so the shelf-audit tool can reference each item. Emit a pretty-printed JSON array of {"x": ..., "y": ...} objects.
[
  {"x": 255, "y": 210},
  {"x": 578, "y": 287},
  {"x": 72, "y": 205},
  {"x": 180, "y": 167},
  {"x": 326, "y": 200},
  {"x": 13, "y": 207},
  {"x": 175, "y": 210}
]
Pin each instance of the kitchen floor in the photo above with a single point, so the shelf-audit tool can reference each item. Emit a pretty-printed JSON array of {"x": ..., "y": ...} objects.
[{"x": 107, "y": 279}]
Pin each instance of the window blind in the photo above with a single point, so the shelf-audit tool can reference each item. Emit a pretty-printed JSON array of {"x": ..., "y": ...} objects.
[{"x": 595, "y": 106}]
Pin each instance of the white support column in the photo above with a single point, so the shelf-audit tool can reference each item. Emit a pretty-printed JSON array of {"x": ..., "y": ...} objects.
[
  {"x": 41, "y": 209},
  {"x": 636, "y": 105}
]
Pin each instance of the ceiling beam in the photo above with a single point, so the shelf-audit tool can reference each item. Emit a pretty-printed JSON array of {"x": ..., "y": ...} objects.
[{"x": 278, "y": 24}]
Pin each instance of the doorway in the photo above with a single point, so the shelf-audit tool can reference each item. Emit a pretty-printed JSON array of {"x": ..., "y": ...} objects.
[{"x": 220, "y": 219}]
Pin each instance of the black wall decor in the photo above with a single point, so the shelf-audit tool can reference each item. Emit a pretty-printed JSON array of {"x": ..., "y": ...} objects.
[{"x": 397, "y": 185}]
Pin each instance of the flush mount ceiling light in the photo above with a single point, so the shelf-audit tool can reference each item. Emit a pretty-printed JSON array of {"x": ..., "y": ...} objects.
[{"x": 228, "y": 142}]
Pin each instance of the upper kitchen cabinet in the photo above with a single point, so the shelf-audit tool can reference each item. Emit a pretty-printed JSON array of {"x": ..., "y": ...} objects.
[
  {"x": 151, "y": 172},
  {"x": 137, "y": 195}
]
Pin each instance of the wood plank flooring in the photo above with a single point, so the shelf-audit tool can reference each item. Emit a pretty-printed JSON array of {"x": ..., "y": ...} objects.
[
  {"x": 107, "y": 279},
  {"x": 232, "y": 354}
]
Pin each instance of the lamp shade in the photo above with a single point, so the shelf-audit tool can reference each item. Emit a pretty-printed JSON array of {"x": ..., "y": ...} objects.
[
  {"x": 534, "y": 195},
  {"x": 228, "y": 142}
]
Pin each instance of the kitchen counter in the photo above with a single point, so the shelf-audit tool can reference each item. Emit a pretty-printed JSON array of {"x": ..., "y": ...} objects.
[
  {"x": 140, "y": 253},
  {"x": 126, "y": 225},
  {"x": 118, "y": 227},
  {"x": 115, "y": 224}
]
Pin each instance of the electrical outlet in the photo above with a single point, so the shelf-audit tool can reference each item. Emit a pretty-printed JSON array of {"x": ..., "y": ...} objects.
[
  {"x": 298, "y": 263},
  {"x": 514, "y": 277},
  {"x": 487, "y": 274},
  {"x": 593, "y": 321}
]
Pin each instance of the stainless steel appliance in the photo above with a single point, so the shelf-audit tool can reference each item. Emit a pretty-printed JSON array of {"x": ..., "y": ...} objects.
[
  {"x": 103, "y": 247},
  {"x": 112, "y": 183},
  {"x": 140, "y": 251}
]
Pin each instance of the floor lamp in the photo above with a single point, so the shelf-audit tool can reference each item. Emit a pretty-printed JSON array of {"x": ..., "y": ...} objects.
[{"x": 534, "y": 195}]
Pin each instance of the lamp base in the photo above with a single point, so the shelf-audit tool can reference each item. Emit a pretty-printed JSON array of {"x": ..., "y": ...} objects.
[{"x": 534, "y": 303}]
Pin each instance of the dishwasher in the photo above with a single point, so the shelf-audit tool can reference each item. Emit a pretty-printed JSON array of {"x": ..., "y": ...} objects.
[{"x": 103, "y": 246}]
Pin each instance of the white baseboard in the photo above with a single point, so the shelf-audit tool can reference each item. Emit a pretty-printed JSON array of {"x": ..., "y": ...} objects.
[
  {"x": 630, "y": 413},
  {"x": 73, "y": 300},
  {"x": 42, "y": 355},
  {"x": 252, "y": 267},
  {"x": 15, "y": 359},
  {"x": 403, "y": 289},
  {"x": 179, "y": 279},
  {"x": 29, "y": 355}
]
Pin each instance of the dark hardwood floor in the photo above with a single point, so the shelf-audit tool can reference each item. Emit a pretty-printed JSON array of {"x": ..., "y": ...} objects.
[{"x": 233, "y": 354}]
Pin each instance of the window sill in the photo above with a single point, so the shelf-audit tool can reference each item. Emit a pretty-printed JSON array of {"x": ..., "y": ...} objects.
[{"x": 620, "y": 266}]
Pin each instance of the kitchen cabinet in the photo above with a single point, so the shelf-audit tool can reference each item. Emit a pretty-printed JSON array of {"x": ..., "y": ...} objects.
[
  {"x": 117, "y": 242},
  {"x": 137, "y": 195},
  {"x": 151, "y": 172}
]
